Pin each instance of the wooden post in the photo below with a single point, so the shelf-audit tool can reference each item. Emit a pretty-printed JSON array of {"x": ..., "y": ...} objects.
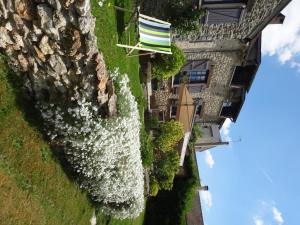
[
  {"x": 132, "y": 19},
  {"x": 144, "y": 49},
  {"x": 142, "y": 54},
  {"x": 133, "y": 49},
  {"x": 122, "y": 9}
]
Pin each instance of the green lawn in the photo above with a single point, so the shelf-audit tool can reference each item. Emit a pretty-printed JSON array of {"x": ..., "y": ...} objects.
[
  {"x": 109, "y": 30},
  {"x": 106, "y": 220},
  {"x": 34, "y": 189}
]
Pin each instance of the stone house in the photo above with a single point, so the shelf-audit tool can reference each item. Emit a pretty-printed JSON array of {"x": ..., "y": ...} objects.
[
  {"x": 224, "y": 54},
  {"x": 223, "y": 57}
]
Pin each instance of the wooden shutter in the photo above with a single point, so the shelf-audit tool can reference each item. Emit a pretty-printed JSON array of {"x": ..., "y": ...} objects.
[
  {"x": 223, "y": 15},
  {"x": 223, "y": 1}
]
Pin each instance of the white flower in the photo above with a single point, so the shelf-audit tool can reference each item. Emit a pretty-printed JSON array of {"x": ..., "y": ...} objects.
[
  {"x": 101, "y": 3},
  {"x": 104, "y": 152}
]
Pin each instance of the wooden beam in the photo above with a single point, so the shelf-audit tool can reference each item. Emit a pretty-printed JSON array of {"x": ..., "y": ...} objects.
[
  {"x": 144, "y": 49},
  {"x": 123, "y": 9},
  {"x": 154, "y": 19},
  {"x": 133, "y": 49},
  {"x": 142, "y": 54}
]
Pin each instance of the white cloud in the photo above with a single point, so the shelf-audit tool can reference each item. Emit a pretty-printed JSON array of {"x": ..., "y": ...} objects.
[
  {"x": 296, "y": 65},
  {"x": 207, "y": 198},
  {"x": 266, "y": 213},
  {"x": 277, "y": 215},
  {"x": 258, "y": 221},
  {"x": 284, "y": 40},
  {"x": 225, "y": 130},
  {"x": 209, "y": 160}
]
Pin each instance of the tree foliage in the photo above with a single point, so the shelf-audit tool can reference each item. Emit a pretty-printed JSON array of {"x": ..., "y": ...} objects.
[
  {"x": 166, "y": 168},
  {"x": 196, "y": 134},
  {"x": 170, "y": 207},
  {"x": 146, "y": 148},
  {"x": 154, "y": 186},
  {"x": 170, "y": 133},
  {"x": 184, "y": 18},
  {"x": 165, "y": 66}
]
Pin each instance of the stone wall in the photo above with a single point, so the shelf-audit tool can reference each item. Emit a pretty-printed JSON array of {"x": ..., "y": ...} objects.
[
  {"x": 218, "y": 90},
  {"x": 260, "y": 12},
  {"x": 162, "y": 96},
  {"x": 217, "y": 45},
  {"x": 53, "y": 43}
]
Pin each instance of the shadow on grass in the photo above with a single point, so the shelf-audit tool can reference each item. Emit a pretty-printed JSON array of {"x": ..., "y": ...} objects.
[
  {"x": 120, "y": 18},
  {"x": 25, "y": 103}
]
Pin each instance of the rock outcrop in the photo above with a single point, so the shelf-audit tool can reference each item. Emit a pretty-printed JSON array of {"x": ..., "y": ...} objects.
[{"x": 53, "y": 42}]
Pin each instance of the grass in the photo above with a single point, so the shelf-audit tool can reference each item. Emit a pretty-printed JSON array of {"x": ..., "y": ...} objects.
[
  {"x": 34, "y": 189},
  {"x": 106, "y": 220},
  {"x": 109, "y": 31}
]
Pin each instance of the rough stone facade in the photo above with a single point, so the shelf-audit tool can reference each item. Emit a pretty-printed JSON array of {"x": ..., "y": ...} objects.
[
  {"x": 261, "y": 10},
  {"x": 53, "y": 43},
  {"x": 218, "y": 89},
  {"x": 209, "y": 46},
  {"x": 162, "y": 96},
  {"x": 225, "y": 45}
]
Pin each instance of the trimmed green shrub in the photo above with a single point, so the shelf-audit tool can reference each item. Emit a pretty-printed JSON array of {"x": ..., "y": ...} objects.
[
  {"x": 188, "y": 188},
  {"x": 154, "y": 122},
  {"x": 146, "y": 148},
  {"x": 166, "y": 168},
  {"x": 165, "y": 66},
  {"x": 178, "y": 201},
  {"x": 196, "y": 134},
  {"x": 169, "y": 134},
  {"x": 154, "y": 186}
]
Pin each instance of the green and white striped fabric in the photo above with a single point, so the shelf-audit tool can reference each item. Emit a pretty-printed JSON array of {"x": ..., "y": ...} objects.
[{"x": 154, "y": 35}]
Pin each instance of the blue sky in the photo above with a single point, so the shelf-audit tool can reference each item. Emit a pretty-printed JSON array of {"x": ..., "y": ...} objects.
[
  {"x": 256, "y": 181},
  {"x": 250, "y": 178}
]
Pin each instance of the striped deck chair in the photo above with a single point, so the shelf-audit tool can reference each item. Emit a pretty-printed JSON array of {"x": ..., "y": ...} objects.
[{"x": 154, "y": 36}]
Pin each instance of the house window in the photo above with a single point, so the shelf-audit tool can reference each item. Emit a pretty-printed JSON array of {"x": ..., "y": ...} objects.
[
  {"x": 161, "y": 116},
  {"x": 173, "y": 111},
  {"x": 227, "y": 103},
  {"x": 198, "y": 113},
  {"x": 191, "y": 77},
  {"x": 175, "y": 90},
  {"x": 215, "y": 16},
  {"x": 198, "y": 110},
  {"x": 198, "y": 76},
  {"x": 194, "y": 72}
]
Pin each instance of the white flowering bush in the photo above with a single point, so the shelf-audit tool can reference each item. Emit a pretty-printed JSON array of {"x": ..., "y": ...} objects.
[{"x": 104, "y": 152}]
